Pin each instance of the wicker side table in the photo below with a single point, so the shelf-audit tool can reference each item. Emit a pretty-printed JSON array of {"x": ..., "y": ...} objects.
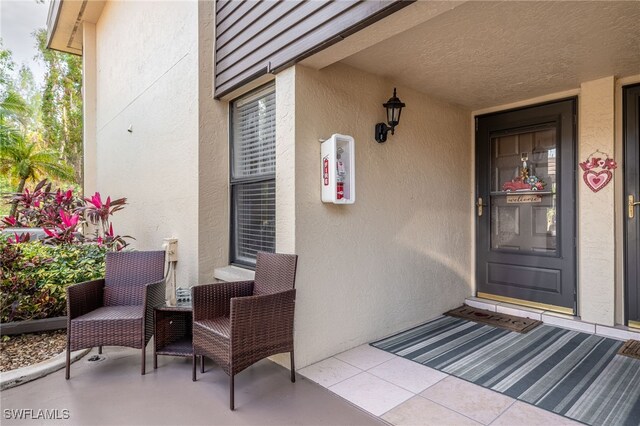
[{"x": 172, "y": 331}]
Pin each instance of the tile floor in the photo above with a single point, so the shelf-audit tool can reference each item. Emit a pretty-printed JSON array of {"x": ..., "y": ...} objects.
[{"x": 402, "y": 392}]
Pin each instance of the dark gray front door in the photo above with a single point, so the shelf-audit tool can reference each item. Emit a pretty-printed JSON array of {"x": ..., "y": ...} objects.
[
  {"x": 632, "y": 195},
  {"x": 525, "y": 161}
]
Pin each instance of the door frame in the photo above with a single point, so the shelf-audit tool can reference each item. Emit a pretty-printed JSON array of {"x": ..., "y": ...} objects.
[
  {"x": 629, "y": 126},
  {"x": 573, "y": 205}
]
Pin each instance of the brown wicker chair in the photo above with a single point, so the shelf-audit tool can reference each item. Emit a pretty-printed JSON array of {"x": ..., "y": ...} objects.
[
  {"x": 118, "y": 309},
  {"x": 239, "y": 323}
]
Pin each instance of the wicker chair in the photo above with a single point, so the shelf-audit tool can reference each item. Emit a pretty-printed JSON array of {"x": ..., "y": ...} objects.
[
  {"x": 117, "y": 310},
  {"x": 239, "y": 323}
]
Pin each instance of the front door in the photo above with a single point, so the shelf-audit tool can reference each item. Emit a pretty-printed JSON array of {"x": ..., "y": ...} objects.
[
  {"x": 525, "y": 161},
  {"x": 632, "y": 197}
]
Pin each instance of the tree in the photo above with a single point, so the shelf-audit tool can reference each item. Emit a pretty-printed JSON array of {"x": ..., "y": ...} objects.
[
  {"x": 27, "y": 87},
  {"x": 25, "y": 160},
  {"x": 40, "y": 126},
  {"x": 14, "y": 111},
  {"x": 62, "y": 103},
  {"x": 6, "y": 66}
]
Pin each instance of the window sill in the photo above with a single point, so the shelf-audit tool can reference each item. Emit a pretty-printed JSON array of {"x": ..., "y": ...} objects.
[{"x": 233, "y": 273}]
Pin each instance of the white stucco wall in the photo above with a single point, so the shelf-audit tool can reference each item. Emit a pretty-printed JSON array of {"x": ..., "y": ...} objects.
[
  {"x": 596, "y": 211},
  {"x": 286, "y": 161},
  {"x": 213, "y": 157},
  {"x": 401, "y": 254},
  {"x": 147, "y": 78}
]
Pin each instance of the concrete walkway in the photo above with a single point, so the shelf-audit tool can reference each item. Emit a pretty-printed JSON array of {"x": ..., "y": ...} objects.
[
  {"x": 112, "y": 392},
  {"x": 23, "y": 375}
]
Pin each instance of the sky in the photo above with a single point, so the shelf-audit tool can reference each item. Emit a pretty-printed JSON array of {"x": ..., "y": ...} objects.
[{"x": 18, "y": 19}]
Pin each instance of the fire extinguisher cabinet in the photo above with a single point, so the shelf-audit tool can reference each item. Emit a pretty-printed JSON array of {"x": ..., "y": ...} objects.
[{"x": 338, "y": 170}]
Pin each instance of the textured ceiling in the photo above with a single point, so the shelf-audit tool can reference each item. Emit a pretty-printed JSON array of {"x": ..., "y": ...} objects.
[{"x": 483, "y": 54}]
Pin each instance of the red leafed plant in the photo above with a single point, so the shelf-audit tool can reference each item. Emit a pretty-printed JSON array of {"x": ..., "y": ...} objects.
[
  {"x": 41, "y": 207},
  {"x": 64, "y": 228},
  {"x": 98, "y": 214},
  {"x": 10, "y": 221},
  {"x": 19, "y": 238},
  {"x": 62, "y": 215}
]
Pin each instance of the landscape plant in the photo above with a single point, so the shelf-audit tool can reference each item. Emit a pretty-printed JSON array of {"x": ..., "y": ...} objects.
[
  {"x": 97, "y": 213},
  {"x": 27, "y": 160},
  {"x": 62, "y": 216},
  {"x": 34, "y": 276},
  {"x": 41, "y": 206}
]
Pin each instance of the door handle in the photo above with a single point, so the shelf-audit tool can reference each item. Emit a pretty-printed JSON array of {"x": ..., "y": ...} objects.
[
  {"x": 480, "y": 205},
  {"x": 631, "y": 204}
]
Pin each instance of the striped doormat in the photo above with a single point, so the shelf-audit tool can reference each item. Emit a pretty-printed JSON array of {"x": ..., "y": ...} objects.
[{"x": 577, "y": 375}]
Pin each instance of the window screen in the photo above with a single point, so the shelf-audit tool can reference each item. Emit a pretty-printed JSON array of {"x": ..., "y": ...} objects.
[{"x": 253, "y": 175}]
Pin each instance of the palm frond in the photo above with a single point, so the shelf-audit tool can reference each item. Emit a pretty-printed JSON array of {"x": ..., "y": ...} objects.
[
  {"x": 26, "y": 160},
  {"x": 13, "y": 106}
]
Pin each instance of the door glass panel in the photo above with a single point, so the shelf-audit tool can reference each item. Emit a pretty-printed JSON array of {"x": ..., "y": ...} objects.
[{"x": 524, "y": 192}]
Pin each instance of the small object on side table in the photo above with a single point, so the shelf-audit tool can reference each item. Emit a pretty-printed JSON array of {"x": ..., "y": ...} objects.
[{"x": 183, "y": 295}]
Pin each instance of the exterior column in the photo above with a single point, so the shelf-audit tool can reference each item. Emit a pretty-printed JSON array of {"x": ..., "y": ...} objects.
[
  {"x": 596, "y": 211},
  {"x": 89, "y": 107},
  {"x": 286, "y": 163}
]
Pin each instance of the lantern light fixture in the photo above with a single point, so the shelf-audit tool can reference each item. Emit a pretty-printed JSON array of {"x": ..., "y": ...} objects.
[{"x": 394, "y": 108}]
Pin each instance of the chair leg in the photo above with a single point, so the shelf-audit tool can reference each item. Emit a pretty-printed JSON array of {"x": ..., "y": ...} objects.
[
  {"x": 202, "y": 364},
  {"x": 293, "y": 369},
  {"x": 67, "y": 374},
  {"x": 99, "y": 350},
  {"x": 193, "y": 373},
  {"x": 231, "y": 393},
  {"x": 144, "y": 359}
]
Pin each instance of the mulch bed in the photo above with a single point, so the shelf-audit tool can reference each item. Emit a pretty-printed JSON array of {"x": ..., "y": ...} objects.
[{"x": 28, "y": 349}]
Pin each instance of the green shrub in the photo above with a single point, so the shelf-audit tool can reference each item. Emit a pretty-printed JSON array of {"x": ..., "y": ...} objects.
[{"x": 34, "y": 277}]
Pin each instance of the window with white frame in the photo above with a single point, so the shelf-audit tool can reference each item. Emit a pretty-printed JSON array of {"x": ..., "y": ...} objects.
[{"x": 253, "y": 175}]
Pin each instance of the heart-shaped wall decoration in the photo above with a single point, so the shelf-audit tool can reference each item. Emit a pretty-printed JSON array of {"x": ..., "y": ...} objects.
[{"x": 597, "y": 180}]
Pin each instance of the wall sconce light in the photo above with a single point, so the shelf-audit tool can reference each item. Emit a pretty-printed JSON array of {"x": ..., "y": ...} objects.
[{"x": 394, "y": 108}]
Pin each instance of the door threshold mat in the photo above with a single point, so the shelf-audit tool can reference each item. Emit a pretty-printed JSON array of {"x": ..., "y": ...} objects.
[
  {"x": 496, "y": 319},
  {"x": 631, "y": 348}
]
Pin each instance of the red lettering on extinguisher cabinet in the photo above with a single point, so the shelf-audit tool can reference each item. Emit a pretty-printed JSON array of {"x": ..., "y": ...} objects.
[
  {"x": 340, "y": 190},
  {"x": 325, "y": 171}
]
